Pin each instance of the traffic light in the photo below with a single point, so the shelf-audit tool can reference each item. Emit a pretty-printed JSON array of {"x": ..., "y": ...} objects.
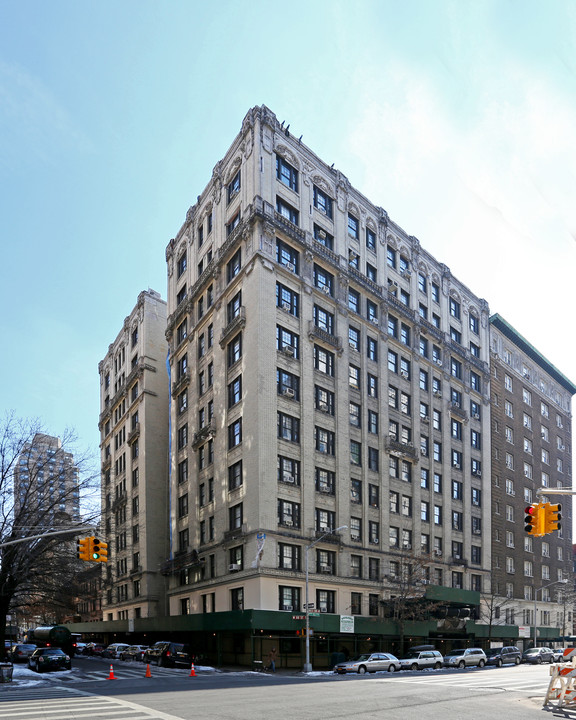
[
  {"x": 552, "y": 517},
  {"x": 83, "y": 548},
  {"x": 534, "y": 520},
  {"x": 98, "y": 550}
]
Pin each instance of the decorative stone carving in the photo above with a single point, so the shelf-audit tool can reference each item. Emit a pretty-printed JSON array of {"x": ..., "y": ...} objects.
[{"x": 288, "y": 155}]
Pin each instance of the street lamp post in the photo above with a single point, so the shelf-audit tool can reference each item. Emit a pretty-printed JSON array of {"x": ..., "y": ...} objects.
[
  {"x": 307, "y": 664},
  {"x": 536, "y": 591}
]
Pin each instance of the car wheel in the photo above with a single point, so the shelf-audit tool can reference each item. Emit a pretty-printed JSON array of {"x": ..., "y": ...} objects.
[
  {"x": 481, "y": 664},
  {"x": 498, "y": 663},
  {"x": 517, "y": 661},
  {"x": 361, "y": 670},
  {"x": 461, "y": 664},
  {"x": 437, "y": 666},
  {"x": 551, "y": 660},
  {"x": 391, "y": 668},
  {"x": 539, "y": 660},
  {"x": 414, "y": 666}
]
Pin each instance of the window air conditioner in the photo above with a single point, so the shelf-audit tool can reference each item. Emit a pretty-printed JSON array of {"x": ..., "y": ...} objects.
[
  {"x": 476, "y": 416},
  {"x": 286, "y": 306},
  {"x": 290, "y": 266},
  {"x": 325, "y": 569},
  {"x": 288, "y": 351},
  {"x": 287, "y": 523},
  {"x": 326, "y": 290},
  {"x": 290, "y": 608},
  {"x": 438, "y": 553},
  {"x": 288, "y": 478},
  {"x": 323, "y": 406},
  {"x": 234, "y": 567},
  {"x": 404, "y": 373},
  {"x": 288, "y": 392},
  {"x": 322, "y": 234},
  {"x": 374, "y": 320}
]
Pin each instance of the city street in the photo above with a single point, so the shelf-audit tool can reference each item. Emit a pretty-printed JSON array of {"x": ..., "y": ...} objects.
[{"x": 512, "y": 692}]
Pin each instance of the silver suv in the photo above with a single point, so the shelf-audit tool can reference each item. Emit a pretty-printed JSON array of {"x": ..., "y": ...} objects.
[
  {"x": 419, "y": 659},
  {"x": 465, "y": 657}
]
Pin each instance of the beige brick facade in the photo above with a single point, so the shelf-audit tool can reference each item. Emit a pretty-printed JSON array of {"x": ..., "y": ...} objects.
[{"x": 325, "y": 371}]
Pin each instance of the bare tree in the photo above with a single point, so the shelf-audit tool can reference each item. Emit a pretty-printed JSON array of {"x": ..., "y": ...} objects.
[
  {"x": 406, "y": 584},
  {"x": 38, "y": 492},
  {"x": 493, "y": 608}
]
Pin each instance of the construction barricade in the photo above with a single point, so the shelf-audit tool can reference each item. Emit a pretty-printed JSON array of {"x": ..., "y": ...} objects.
[{"x": 562, "y": 686}]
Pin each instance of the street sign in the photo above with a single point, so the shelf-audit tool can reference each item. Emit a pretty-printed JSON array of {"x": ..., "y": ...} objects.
[
  {"x": 314, "y": 614},
  {"x": 310, "y": 606},
  {"x": 298, "y": 617}
]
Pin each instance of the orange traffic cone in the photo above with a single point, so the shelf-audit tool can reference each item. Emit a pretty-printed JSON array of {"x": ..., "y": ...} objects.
[
  {"x": 192, "y": 671},
  {"x": 111, "y": 676},
  {"x": 148, "y": 673}
]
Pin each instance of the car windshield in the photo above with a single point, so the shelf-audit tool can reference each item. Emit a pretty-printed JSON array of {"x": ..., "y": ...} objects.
[
  {"x": 52, "y": 651},
  {"x": 360, "y": 658},
  {"x": 493, "y": 651},
  {"x": 454, "y": 652},
  {"x": 532, "y": 651},
  {"x": 412, "y": 654}
]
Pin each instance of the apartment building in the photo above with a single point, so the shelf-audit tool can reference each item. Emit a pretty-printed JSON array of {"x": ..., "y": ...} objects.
[
  {"x": 531, "y": 450},
  {"x": 134, "y": 455},
  {"x": 45, "y": 482},
  {"x": 329, "y": 407}
]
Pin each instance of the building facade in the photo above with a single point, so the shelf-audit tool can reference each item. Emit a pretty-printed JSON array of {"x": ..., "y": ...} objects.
[
  {"x": 45, "y": 482},
  {"x": 326, "y": 372},
  {"x": 134, "y": 456},
  {"x": 531, "y": 450}
]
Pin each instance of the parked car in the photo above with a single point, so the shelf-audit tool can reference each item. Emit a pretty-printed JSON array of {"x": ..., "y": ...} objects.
[
  {"x": 21, "y": 652},
  {"x": 49, "y": 658},
  {"x": 503, "y": 655},
  {"x": 538, "y": 655},
  {"x": 113, "y": 651},
  {"x": 369, "y": 662},
  {"x": 419, "y": 659},
  {"x": 465, "y": 657},
  {"x": 93, "y": 649},
  {"x": 133, "y": 652},
  {"x": 79, "y": 647},
  {"x": 169, "y": 654},
  {"x": 558, "y": 654}
]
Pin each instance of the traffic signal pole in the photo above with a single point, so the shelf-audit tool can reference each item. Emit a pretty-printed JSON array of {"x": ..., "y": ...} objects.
[{"x": 71, "y": 531}]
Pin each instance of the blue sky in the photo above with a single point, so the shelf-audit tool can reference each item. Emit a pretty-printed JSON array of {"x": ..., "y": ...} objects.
[{"x": 457, "y": 117}]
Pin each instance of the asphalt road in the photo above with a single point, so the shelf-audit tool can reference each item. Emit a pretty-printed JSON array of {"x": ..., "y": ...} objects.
[{"x": 515, "y": 693}]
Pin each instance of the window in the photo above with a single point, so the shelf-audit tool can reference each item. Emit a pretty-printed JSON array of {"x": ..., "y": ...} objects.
[
  {"x": 404, "y": 334},
  {"x": 355, "y": 413},
  {"x": 235, "y": 433},
  {"x": 354, "y": 338},
  {"x": 289, "y": 556},
  {"x": 287, "y": 300},
  {"x": 235, "y": 391},
  {"x": 233, "y": 186},
  {"x": 323, "y": 237},
  {"x": 181, "y": 296},
  {"x": 353, "y": 227},
  {"x": 323, "y": 280},
  {"x": 372, "y": 422},
  {"x": 371, "y": 349},
  {"x": 288, "y": 470},
  {"x": 287, "y": 342},
  {"x": 455, "y": 368},
  {"x": 234, "y": 265},
  {"x": 456, "y": 335},
  {"x": 286, "y": 173},
  {"x": 322, "y": 202},
  {"x": 288, "y": 597},
  {"x": 435, "y": 292},
  {"x": 354, "y": 300},
  {"x": 323, "y": 360},
  {"x": 182, "y": 436},
  {"x": 370, "y": 239},
  {"x": 372, "y": 312},
  {"x": 235, "y": 479},
  {"x": 325, "y": 481},
  {"x": 286, "y": 210},
  {"x": 181, "y": 265},
  {"x": 183, "y": 471},
  {"x": 287, "y": 256},
  {"x": 373, "y": 532},
  {"x": 372, "y": 385},
  {"x": 373, "y": 459},
  {"x": 323, "y": 400},
  {"x": 288, "y": 428},
  {"x": 454, "y": 308},
  {"x": 237, "y": 599},
  {"x": 287, "y": 384},
  {"x": 288, "y": 513},
  {"x": 373, "y": 495},
  {"x": 355, "y": 452},
  {"x": 325, "y": 440},
  {"x": 527, "y": 396},
  {"x": 323, "y": 319},
  {"x": 475, "y": 381}
]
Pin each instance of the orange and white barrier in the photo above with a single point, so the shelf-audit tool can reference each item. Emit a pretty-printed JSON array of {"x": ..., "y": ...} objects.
[{"x": 562, "y": 686}]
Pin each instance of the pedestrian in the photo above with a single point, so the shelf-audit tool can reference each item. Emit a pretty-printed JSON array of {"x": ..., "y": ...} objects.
[{"x": 272, "y": 660}]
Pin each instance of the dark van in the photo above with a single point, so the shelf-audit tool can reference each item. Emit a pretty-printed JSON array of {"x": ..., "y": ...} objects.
[{"x": 169, "y": 654}]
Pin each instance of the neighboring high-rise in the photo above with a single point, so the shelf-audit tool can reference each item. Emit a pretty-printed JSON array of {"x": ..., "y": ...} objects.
[
  {"x": 134, "y": 456},
  {"x": 45, "y": 483},
  {"x": 326, "y": 371},
  {"x": 531, "y": 450}
]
